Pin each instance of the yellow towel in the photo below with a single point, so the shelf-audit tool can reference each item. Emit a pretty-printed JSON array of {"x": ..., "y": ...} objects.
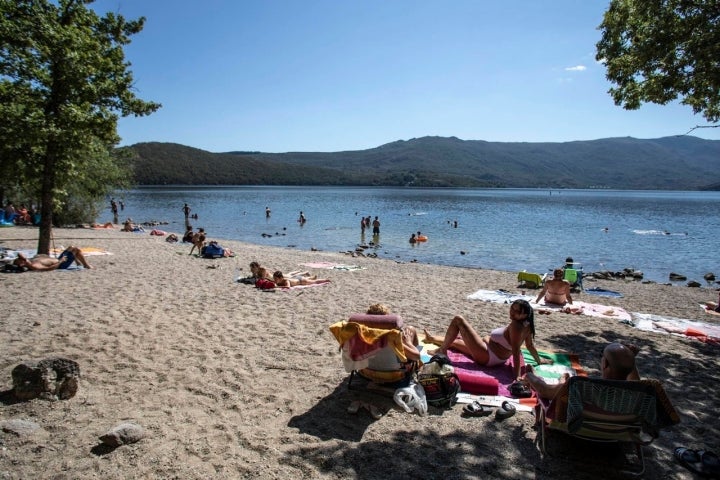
[{"x": 344, "y": 331}]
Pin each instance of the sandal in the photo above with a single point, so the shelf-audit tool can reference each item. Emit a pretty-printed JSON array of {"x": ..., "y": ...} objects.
[
  {"x": 506, "y": 410},
  {"x": 689, "y": 459},
  {"x": 520, "y": 390},
  {"x": 709, "y": 464},
  {"x": 474, "y": 409}
]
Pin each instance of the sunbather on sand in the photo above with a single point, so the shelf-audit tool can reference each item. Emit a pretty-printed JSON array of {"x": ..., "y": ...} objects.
[
  {"x": 283, "y": 282},
  {"x": 409, "y": 333},
  {"x": 712, "y": 306},
  {"x": 496, "y": 348},
  {"x": 557, "y": 290},
  {"x": 257, "y": 271},
  {"x": 43, "y": 264},
  {"x": 617, "y": 363}
]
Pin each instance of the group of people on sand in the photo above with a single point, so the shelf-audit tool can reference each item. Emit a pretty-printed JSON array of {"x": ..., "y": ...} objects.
[
  {"x": 280, "y": 280},
  {"x": 617, "y": 362}
]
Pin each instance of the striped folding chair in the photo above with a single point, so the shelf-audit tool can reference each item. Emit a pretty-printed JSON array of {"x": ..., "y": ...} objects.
[{"x": 608, "y": 411}]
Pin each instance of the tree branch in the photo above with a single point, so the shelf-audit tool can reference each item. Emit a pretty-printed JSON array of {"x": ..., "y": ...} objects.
[{"x": 702, "y": 126}]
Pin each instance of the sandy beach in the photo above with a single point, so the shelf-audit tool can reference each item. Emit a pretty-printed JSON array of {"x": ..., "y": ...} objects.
[{"x": 233, "y": 382}]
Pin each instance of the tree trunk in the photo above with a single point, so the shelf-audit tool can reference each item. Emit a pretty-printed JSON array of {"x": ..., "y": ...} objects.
[{"x": 46, "y": 202}]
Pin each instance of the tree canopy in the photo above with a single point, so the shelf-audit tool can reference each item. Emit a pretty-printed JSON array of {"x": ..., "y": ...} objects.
[
  {"x": 663, "y": 50},
  {"x": 64, "y": 83}
]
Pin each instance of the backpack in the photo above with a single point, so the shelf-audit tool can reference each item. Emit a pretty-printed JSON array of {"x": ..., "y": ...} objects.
[
  {"x": 212, "y": 250},
  {"x": 440, "y": 383}
]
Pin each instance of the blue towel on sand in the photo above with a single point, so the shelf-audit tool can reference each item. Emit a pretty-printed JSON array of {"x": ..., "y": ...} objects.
[{"x": 602, "y": 292}]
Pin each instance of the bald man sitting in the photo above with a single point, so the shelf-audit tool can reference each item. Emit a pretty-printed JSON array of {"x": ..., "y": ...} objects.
[{"x": 617, "y": 363}]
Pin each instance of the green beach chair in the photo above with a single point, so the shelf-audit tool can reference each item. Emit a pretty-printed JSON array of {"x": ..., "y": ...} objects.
[{"x": 574, "y": 276}]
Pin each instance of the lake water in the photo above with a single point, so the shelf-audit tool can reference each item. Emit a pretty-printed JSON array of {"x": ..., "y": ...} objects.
[{"x": 657, "y": 232}]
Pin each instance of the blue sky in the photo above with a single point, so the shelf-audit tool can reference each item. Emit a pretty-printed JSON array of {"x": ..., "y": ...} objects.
[{"x": 333, "y": 75}]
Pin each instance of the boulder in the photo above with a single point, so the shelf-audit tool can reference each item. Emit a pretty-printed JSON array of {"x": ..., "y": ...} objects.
[
  {"x": 693, "y": 284},
  {"x": 123, "y": 434},
  {"x": 20, "y": 427},
  {"x": 677, "y": 277},
  {"x": 710, "y": 277},
  {"x": 50, "y": 379}
]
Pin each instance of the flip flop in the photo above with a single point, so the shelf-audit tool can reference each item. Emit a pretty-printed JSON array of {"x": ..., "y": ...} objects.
[
  {"x": 689, "y": 459},
  {"x": 374, "y": 411},
  {"x": 520, "y": 390},
  {"x": 474, "y": 409},
  {"x": 506, "y": 410},
  {"x": 709, "y": 464},
  {"x": 354, "y": 406}
]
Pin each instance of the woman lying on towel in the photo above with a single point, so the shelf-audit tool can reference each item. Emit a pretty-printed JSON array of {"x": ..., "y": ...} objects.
[
  {"x": 42, "y": 264},
  {"x": 283, "y": 282},
  {"x": 496, "y": 348},
  {"x": 258, "y": 271}
]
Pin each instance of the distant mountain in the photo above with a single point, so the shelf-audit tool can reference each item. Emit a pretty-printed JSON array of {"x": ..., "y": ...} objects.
[{"x": 671, "y": 163}]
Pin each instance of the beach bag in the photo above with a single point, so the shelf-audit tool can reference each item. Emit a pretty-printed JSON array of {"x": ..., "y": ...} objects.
[
  {"x": 212, "y": 250},
  {"x": 439, "y": 381},
  {"x": 264, "y": 284}
]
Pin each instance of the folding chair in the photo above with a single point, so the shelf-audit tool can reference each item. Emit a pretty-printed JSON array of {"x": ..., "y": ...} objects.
[
  {"x": 608, "y": 411},
  {"x": 371, "y": 347},
  {"x": 574, "y": 276}
]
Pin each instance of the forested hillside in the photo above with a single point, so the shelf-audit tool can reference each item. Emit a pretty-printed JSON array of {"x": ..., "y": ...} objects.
[{"x": 676, "y": 163}]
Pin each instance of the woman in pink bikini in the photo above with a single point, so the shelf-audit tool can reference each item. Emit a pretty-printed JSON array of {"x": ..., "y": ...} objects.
[{"x": 497, "y": 347}]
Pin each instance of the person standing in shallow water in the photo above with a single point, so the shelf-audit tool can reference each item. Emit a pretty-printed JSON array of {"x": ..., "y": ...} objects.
[
  {"x": 376, "y": 226},
  {"x": 186, "y": 211}
]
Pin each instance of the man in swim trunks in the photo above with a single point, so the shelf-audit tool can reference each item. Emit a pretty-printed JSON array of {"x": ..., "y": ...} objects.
[
  {"x": 556, "y": 290},
  {"x": 43, "y": 264},
  {"x": 617, "y": 363}
]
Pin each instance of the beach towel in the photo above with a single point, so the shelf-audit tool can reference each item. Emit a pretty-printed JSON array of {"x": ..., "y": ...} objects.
[
  {"x": 495, "y": 381},
  {"x": 331, "y": 266},
  {"x": 86, "y": 251},
  {"x": 476, "y": 379},
  {"x": 583, "y": 308},
  {"x": 498, "y": 296},
  {"x": 563, "y": 363},
  {"x": 704, "y": 332},
  {"x": 300, "y": 287},
  {"x": 601, "y": 292}
]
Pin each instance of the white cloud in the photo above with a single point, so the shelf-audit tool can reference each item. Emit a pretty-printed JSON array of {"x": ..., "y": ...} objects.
[{"x": 577, "y": 68}]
